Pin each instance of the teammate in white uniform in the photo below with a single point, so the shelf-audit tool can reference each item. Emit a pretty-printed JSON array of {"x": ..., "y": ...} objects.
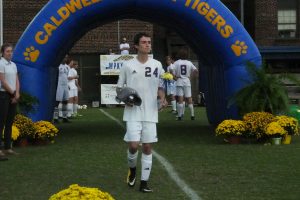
[
  {"x": 141, "y": 74},
  {"x": 171, "y": 84},
  {"x": 62, "y": 92},
  {"x": 124, "y": 47},
  {"x": 73, "y": 90},
  {"x": 183, "y": 69}
]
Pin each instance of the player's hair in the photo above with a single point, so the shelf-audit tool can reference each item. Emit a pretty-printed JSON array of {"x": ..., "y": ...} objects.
[
  {"x": 182, "y": 54},
  {"x": 68, "y": 60},
  {"x": 138, "y": 36},
  {"x": 4, "y": 47}
]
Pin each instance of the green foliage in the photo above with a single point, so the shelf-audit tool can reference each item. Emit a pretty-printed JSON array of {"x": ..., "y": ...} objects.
[
  {"x": 27, "y": 103},
  {"x": 263, "y": 92}
]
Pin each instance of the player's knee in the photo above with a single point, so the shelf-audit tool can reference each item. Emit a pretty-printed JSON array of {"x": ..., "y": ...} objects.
[{"x": 147, "y": 149}]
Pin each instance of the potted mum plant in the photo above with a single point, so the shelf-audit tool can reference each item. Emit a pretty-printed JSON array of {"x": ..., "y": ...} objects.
[
  {"x": 290, "y": 125},
  {"x": 232, "y": 130},
  {"x": 45, "y": 132},
  {"x": 275, "y": 132}
]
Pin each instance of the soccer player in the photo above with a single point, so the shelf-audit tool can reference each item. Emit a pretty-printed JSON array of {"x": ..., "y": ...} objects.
[
  {"x": 73, "y": 90},
  {"x": 124, "y": 47},
  {"x": 62, "y": 92},
  {"x": 142, "y": 74},
  {"x": 183, "y": 69},
  {"x": 171, "y": 84}
]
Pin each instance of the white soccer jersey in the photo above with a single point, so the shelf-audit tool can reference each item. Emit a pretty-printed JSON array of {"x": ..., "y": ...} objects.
[
  {"x": 9, "y": 69},
  {"x": 183, "y": 70},
  {"x": 63, "y": 71},
  {"x": 124, "y": 45},
  {"x": 72, "y": 83},
  {"x": 144, "y": 78},
  {"x": 170, "y": 68}
]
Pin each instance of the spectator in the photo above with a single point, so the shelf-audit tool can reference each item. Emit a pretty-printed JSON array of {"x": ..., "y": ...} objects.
[{"x": 9, "y": 96}]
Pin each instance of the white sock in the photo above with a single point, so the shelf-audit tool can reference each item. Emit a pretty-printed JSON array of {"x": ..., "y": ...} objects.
[
  {"x": 64, "y": 110},
  {"x": 70, "y": 109},
  {"x": 146, "y": 166},
  {"x": 132, "y": 159},
  {"x": 173, "y": 105},
  {"x": 191, "y": 106},
  {"x": 60, "y": 113},
  {"x": 180, "y": 109},
  {"x": 75, "y": 106},
  {"x": 55, "y": 113},
  {"x": 183, "y": 110}
]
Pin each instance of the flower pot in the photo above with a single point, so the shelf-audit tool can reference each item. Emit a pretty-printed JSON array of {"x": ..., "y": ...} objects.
[
  {"x": 287, "y": 139},
  {"x": 23, "y": 142},
  {"x": 41, "y": 142},
  {"x": 234, "y": 139},
  {"x": 276, "y": 141}
]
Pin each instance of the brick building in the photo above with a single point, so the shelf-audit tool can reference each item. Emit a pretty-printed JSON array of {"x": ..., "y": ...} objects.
[{"x": 273, "y": 24}]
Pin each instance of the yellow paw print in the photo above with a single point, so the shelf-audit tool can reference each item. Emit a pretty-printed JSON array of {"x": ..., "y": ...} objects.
[
  {"x": 31, "y": 54},
  {"x": 239, "y": 48}
]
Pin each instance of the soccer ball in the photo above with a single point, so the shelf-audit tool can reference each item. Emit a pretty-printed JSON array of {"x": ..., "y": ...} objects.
[{"x": 84, "y": 106}]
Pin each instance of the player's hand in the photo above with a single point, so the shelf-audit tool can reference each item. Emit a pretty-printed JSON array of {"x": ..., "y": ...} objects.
[
  {"x": 14, "y": 100},
  {"x": 17, "y": 97}
]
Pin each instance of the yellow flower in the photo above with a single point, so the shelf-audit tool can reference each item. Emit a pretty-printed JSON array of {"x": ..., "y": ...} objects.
[
  {"x": 15, "y": 133},
  {"x": 289, "y": 124},
  {"x": 45, "y": 130},
  {"x": 167, "y": 76},
  {"x": 77, "y": 192},
  {"x": 274, "y": 129},
  {"x": 25, "y": 126},
  {"x": 231, "y": 127}
]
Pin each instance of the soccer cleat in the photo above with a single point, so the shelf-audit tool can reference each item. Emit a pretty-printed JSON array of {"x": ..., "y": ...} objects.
[
  {"x": 131, "y": 177},
  {"x": 174, "y": 112},
  {"x": 144, "y": 188},
  {"x": 55, "y": 121},
  {"x": 179, "y": 119},
  {"x": 192, "y": 117}
]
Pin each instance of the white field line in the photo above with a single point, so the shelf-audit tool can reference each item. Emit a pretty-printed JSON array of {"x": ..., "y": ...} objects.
[{"x": 169, "y": 168}]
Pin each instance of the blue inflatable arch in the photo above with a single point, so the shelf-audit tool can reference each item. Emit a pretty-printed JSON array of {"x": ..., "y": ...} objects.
[{"x": 217, "y": 37}]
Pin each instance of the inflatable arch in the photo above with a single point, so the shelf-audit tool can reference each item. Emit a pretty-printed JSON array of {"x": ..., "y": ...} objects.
[{"x": 222, "y": 44}]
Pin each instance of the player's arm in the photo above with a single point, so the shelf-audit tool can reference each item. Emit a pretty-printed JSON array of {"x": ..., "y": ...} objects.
[{"x": 122, "y": 82}]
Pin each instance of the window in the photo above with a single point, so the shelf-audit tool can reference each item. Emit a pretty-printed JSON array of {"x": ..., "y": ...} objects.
[{"x": 287, "y": 18}]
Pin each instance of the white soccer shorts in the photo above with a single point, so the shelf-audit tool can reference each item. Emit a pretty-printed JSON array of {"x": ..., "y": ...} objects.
[
  {"x": 144, "y": 132},
  {"x": 62, "y": 93},
  {"x": 185, "y": 91},
  {"x": 171, "y": 89},
  {"x": 73, "y": 93}
]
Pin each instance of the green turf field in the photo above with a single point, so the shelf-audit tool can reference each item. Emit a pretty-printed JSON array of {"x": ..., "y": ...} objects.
[{"x": 90, "y": 151}]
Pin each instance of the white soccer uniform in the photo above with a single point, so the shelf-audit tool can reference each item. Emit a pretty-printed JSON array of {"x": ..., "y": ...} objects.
[
  {"x": 183, "y": 70},
  {"x": 144, "y": 78},
  {"x": 62, "y": 92},
  {"x": 73, "y": 90},
  {"x": 9, "y": 69},
  {"x": 171, "y": 84},
  {"x": 124, "y": 45}
]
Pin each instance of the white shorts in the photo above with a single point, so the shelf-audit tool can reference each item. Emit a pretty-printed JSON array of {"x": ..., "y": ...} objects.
[
  {"x": 185, "y": 91},
  {"x": 73, "y": 93},
  {"x": 144, "y": 132},
  {"x": 171, "y": 88},
  {"x": 62, "y": 93}
]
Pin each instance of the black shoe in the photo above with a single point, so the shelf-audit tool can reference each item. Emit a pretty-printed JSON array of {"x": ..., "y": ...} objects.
[
  {"x": 66, "y": 120},
  {"x": 55, "y": 121},
  {"x": 144, "y": 188},
  {"x": 131, "y": 177},
  {"x": 192, "y": 117},
  {"x": 179, "y": 119}
]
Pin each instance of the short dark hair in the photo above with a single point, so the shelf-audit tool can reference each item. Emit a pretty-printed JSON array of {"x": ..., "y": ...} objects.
[
  {"x": 5, "y": 46},
  {"x": 68, "y": 60},
  {"x": 182, "y": 54},
  {"x": 138, "y": 36}
]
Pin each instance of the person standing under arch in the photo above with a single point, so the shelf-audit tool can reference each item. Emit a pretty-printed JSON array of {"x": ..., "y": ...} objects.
[
  {"x": 9, "y": 96},
  {"x": 142, "y": 74},
  {"x": 183, "y": 69}
]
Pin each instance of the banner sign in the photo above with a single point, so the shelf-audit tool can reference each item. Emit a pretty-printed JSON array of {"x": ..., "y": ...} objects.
[
  {"x": 111, "y": 64},
  {"x": 108, "y": 94}
]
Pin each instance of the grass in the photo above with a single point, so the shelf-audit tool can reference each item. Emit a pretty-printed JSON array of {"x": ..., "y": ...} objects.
[{"x": 90, "y": 151}]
